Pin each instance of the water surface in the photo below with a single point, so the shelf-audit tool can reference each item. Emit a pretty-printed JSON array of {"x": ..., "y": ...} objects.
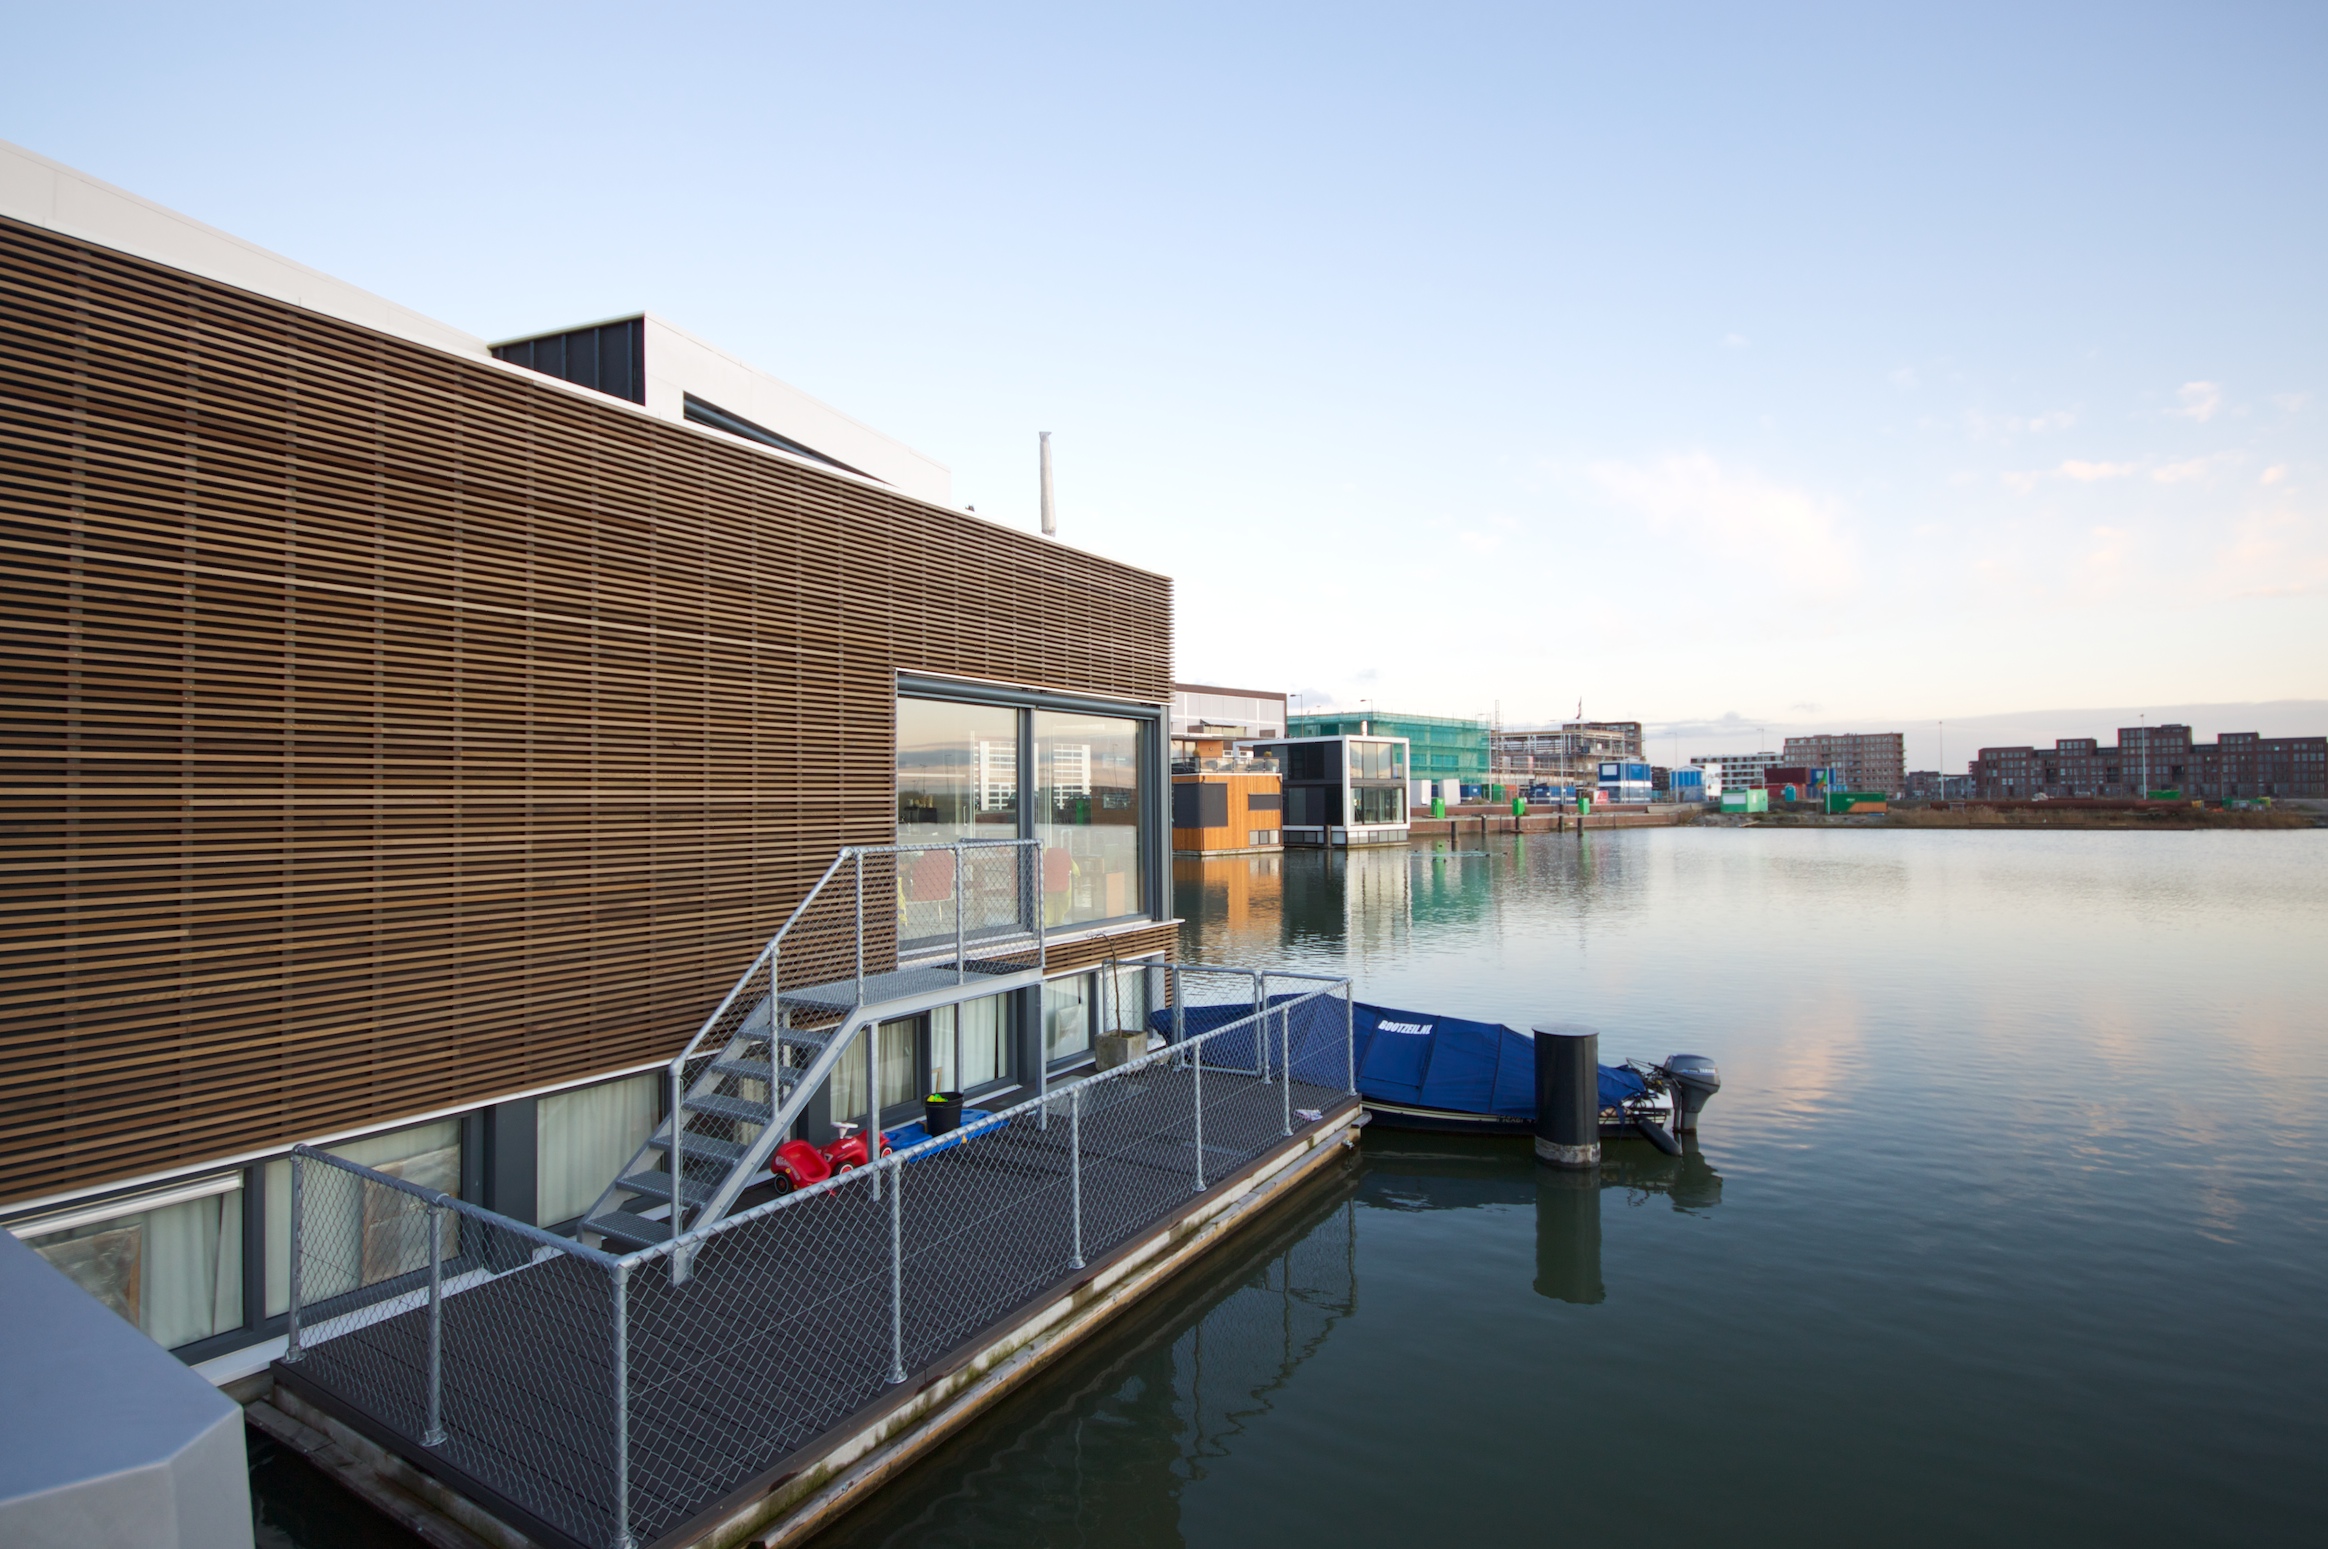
[{"x": 2008, "y": 1224}]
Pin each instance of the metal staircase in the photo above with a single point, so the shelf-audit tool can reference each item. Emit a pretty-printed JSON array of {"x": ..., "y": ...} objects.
[{"x": 967, "y": 923}]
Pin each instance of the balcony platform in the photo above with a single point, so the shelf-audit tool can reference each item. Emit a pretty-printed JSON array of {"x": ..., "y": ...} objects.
[{"x": 759, "y": 1387}]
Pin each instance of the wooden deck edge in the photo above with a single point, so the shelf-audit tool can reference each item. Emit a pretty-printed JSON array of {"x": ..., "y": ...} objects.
[
  {"x": 427, "y": 1509},
  {"x": 810, "y": 1498}
]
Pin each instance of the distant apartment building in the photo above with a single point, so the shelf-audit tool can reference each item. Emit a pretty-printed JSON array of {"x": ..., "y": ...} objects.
[
  {"x": 1863, "y": 761},
  {"x": 2238, "y": 764},
  {"x": 1932, "y": 785},
  {"x": 1572, "y": 751},
  {"x": 1203, "y": 713},
  {"x": 1737, "y": 771}
]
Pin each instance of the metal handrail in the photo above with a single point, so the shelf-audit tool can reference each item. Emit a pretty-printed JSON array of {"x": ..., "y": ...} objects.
[
  {"x": 997, "y": 1120},
  {"x": 885, "y": 1173}
]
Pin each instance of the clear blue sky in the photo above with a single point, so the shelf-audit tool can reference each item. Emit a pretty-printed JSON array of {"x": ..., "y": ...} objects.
[{"x": 1837, "y": 364}]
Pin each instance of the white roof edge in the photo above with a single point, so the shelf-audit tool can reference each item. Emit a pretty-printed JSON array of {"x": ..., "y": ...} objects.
[
  {"x": 41, "y": 192},
  {"x": 741, "y": 364}
]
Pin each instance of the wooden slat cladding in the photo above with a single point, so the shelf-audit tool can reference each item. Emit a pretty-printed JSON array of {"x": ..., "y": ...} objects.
[
  {"x": 1124, "y": 945},
  {"x": 386, "y": 731}
]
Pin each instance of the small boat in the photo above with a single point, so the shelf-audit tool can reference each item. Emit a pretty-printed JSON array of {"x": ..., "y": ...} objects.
[
  {"x": 1420, "y": 1071},
  {"x": 1452, "y": 1076}
]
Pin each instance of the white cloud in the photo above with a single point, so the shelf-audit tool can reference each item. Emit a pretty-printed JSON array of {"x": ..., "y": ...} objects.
[
  {"x": 1796, "y": 537},
  {"x": 2200, "y": 400},
  {"x": 2274, "y": 474},
  {"x": 2088, "y": 473},
  {"x": 1906, "y": 379},
  {"x": 2183, "y": 472},
  {"x": 1733, "y": 341}
]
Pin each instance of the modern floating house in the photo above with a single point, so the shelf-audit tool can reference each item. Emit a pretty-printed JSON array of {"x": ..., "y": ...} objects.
[
  {"x": 471, "y": 802},
  {"x": 1342, "y": 791}
]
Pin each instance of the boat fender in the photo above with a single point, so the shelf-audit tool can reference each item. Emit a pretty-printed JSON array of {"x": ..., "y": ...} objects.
[{"x": 1655, "y": 1134}]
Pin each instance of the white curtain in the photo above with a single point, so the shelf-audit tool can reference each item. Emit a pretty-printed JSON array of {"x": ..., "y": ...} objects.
[
  {"x": 981, "y": 1024},
  {"x": 583, "y": 1138},
  {"x": 175, "y": 1271},
  {"x": 900, "y": 1074}
]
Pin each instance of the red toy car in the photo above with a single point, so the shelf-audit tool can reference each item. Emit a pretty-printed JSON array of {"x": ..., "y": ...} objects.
[{"x": 797, "y": 1164}]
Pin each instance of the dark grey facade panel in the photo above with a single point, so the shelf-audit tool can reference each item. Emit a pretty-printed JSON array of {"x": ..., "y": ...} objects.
[{"x": 610, "y": 358}]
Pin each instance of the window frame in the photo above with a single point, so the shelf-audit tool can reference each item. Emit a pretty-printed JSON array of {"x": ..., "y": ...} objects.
[{"x": 1154, "y": 809}]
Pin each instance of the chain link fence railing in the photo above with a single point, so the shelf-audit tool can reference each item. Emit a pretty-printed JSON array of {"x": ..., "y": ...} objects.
[{"x": 611, "y": 1401}]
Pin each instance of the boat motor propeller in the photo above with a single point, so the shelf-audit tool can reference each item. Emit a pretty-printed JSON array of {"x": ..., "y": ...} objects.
[{"x": 1693, "y": 1079}]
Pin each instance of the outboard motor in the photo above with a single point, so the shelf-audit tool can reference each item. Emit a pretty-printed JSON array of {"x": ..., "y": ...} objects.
[{"x": 1694, "y": 1079}]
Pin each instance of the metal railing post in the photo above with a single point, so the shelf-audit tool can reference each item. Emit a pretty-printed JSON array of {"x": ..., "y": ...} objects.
[
  {"x": 961, "y": 966},
  {"x": 622, "y": 1533},
  {"x": 871, "y": 1033},
  {"x": 678, "y": 1140},
  {"x": 298, "y": 1231},
  {"x": 434, "y": 1435},
  {"x": 775, "y": 1054},
  {"x": 860, "y": 927},
  {"x": 1042, "y": 939},
  {"x": 1075, "y": 1168},
  {"x": 1260, "y": 1028},
  {"x": 896, "y": 1273},
  {"x": 1198, "y": 1054},
  {"x": 1284, "y": 1063},
  {"x": 1350, "y": 1034},
  {"x": 1179, "y": 1016}
]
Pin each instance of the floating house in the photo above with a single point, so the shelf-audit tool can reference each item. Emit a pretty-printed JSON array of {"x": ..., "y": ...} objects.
[
  {"x": 1225, "y": 802},
  {"x": 1341, "y": 791},
  {"x": 482, "y": 803}
]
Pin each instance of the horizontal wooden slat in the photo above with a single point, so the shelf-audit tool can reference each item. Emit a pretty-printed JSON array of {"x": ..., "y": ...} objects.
[{"x": 381, "y": 731}]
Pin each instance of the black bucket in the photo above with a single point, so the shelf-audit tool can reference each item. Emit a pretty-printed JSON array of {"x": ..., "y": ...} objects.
[{"x": 942, "y": 1112}]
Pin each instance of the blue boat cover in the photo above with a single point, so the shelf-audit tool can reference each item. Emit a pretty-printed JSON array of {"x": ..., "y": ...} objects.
[{"x": 1425, "y": 1061}]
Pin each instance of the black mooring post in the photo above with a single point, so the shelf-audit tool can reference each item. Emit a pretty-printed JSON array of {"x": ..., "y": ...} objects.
[{"x": 1568, "y": 1096}]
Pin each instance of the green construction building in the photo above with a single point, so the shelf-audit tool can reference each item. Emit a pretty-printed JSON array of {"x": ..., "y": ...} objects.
[{"x": 1439, "y": 747}]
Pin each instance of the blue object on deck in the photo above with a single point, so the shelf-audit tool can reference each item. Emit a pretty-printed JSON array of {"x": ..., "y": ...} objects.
[
  {"x": 908, "y": 1135},
  {"x": 1421, "y": 1060}
]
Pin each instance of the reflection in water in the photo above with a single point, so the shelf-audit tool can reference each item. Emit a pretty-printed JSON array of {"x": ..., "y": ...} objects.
[
  {"x": 1102, "y": 1450},
  {"x": 1409, "y": 1172},
  {"x": 2031, "y": 1249},
  {"x": 1568, "y": 1209}
]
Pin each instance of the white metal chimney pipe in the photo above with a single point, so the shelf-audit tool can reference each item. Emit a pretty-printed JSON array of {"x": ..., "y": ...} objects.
[{"x": 1050, "y": 516}]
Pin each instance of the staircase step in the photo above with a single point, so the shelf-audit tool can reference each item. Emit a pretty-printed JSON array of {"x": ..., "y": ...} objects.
[
  {"x": 703, "y": 1148},
  {"x": 728, "y": 1108},
  {"x": 658, "y": 1186},
  {"x": 749, "y": 1070},
  {"x": 630, "y": 1231}
]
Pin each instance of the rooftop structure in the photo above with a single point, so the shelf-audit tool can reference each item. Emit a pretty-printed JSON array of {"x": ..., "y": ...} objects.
[{"x": 1227, "y": 715}]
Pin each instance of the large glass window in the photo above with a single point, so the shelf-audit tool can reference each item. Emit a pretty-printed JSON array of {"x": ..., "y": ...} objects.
[
  {"x": 957, "y": 772},
  {"x": 583, "y": 1138},
  {"x": 381, "y": 1238},
  {"x": 1378, "y": 804},
  {"x": 899, "y": 1068},
  {"x": 977, "y": 1029},
  {"x": 169, "y": 1262},
  {"x": 1087, "y": 815}
]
